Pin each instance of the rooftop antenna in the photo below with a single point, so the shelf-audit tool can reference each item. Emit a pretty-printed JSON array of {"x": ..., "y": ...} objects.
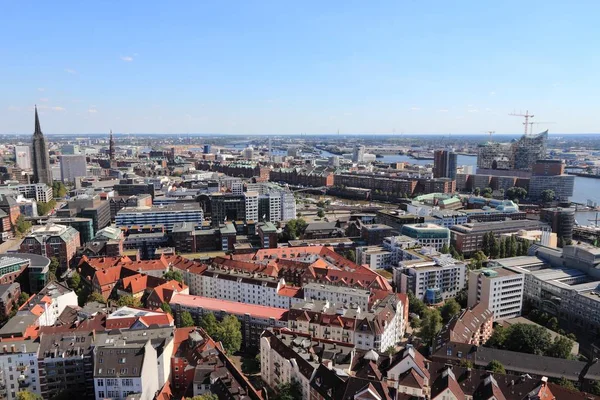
[{"x": 526, "y": 116}]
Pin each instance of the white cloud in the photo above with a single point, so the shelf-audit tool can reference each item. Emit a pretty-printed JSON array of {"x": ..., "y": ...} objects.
[
  {"x": 41, "y": 89},
  {"x": 492, "y": 93},
  {"x": 58, "y": 108},
  {"x": 415, "y": 109},
  {"x": 127, "y": 58},
  {"x": 70, "y": 71},
  {"x": 44, "y": 99},
  {"x": 92, "y": 111},
  {"x": 443, "y": 110}
]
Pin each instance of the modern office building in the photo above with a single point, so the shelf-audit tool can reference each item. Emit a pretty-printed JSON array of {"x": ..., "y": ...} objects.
[
  {"x": 549, "y": 175},
  {"x": 38, "y": 191},
  {"x": 251, "y": 206},
  {"x": 358, "y": 154},
  {"x": 23, "y": 157},
  {"x": 428, "y": 234},
  {"x": 520, "y": 155},
  {"x": 72, "y": 166},
  {"x": 155, "y": 216},
  {"x": 36, "y": 265},
  {"x": 499, "y": 289},
  {"x": 561, "y": 220},
  {"x": 84, "y": 226},
  {"x": 41, "y": 157},
  {"x": 98, "y": 212},
  {"x": 227, "y": 207},
  {"x": 444, "y": 164}
]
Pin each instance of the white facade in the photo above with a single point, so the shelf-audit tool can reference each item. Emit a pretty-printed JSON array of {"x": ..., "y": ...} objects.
[
  {"x": 376, "y": 257},
  {"x": 38, "y": 191},
  {"x": 420, "y": 275},
  {"x": 237, "y": 188},
  {"x": 146, "y": 383},
  {"x": 449, "y": 219},
  {"x": 18, "y": 363},
  {"x": 23, "y": 157},
  {"x": 251, "y": 206},
  {"x": 274, "y": 207},
  {"x": 56, "y": 307},
  {"x": 71, "y": 167},
  {"x": 500, "y": 289},
  {"x": 337, "y": 294},
  {"x": 288, "y": 206}
]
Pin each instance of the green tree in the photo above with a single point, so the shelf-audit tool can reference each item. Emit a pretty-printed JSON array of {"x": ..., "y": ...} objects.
[
  {"x": 552, "y": 324},
  {"x": 229, "y": 333},
  {"x": 487, "y": 192},
  {"x": 485, "y": 244},
  {"x": 166, "y": 308},
  {"x": 289, "y": 391},
  {"x": 173, "y": 275},
  {"x": 415, "y": 305},
  {"x": 476, "y": 191},
  {"x": 498, "y": 337},
  {"x": 496, "y": 367},
  {"x": 53, "y": 269},
  {"x": 320, "y": 213},
  {"x": 293, "y": 229},
  {"x": 502, "y": 248},
  {"x": 567, "y": 384},
  {"x": 560, "y": 348},
  {"x": 205, "y": 396},
  {"x": 128, "y": 301},
  {"x": 466, "y": 364},
  {"x": 547, "y": 195},
  {"x": 431, "y": 324},
  {"x": 595, "y": 388},
  {"x": 494, "y": 247},
  {"x": 23, "y": 297},
  {"x": 522, "y": 338},
  {"x": 445, "y": 249},
  {"x": 186, "y": 319},
  {"x": 515, "y": 193},
  {"x": 27, "y": 395},
  {"x": 209, "y": 323},
  {"x": 95, "y": 296},
  {"x": 45, "y": 208},
  {"x": 58, "y": 189},
  {"x": 74, "y": 280},
  {"x": 350, "y": 255},
  {"x": 22, "y": 226},
  {"x": 462, "y": 297},
  {"x": 450, "y": 309}
]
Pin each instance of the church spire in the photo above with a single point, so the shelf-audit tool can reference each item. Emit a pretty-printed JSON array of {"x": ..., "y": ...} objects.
[
  {"x": 111, "y": 147},
  {"x": 38, "y": 129}
]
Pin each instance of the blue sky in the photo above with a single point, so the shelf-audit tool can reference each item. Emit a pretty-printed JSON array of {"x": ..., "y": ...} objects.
[{"x": 285, "y": 67}]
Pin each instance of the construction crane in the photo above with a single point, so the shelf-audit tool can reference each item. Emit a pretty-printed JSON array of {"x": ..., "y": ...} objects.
[
  {"x": 531, "y": 124},
  {"x": 526, "y": 116},
  {"x": 490, "y": 133}
]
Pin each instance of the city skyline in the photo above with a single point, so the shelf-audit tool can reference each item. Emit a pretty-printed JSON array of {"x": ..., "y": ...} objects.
[{"x": 269, "y": 69}]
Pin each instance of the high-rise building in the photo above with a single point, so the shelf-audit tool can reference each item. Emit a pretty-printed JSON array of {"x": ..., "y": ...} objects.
[
  {"x": 444, "y": 164},
  {"x": 251, "y": 206},
  {"x": 359, "y": 154},
  {"x": 72, "y": 166},
  {"x": 23, "y": 157},
  {"x": 499, "y": 289},
  {"x": 561, "y": 220},
  {"x": 41, "y": 158},
  {"x": 111, "y": 147},
  {"x": 549, "y": 175}
]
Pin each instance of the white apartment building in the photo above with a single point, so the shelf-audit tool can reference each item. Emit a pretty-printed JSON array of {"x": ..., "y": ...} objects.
[
  {"x": 448, "y": 218},
  {"x": 432, "y": 279},
  {"x": 288, "y": 205},
  {"x": 500, "y": 289},
  {"x": 237, "y": 188},
  {"x": 274, "y": 207},
  {"x": 251, "y": 206},
  {"x": 325, "y": 320},
  {"x": 19, "y": 368},
  {"x": 337, "y": 294},
  {"x": 376, "y": 257},
  {"x": 396, "y": 244}
]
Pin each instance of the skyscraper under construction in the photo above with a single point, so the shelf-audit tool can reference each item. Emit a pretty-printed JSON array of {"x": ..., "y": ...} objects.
[{"x": 519, "y": 155}]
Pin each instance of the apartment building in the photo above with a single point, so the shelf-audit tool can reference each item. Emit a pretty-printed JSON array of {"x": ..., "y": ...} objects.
[
  {"x": 375, "y": 257},
  {"x": 381, "y": 327},
  {"x": 251, "y": 205},
  {"x": 165, "y": 216},
  {"x": 499, "y": 289},
  {"x": 52, "y": 240},
  {"x": 429, "y": 275},
  {"x": 337, "y": 294},
  {"x": 19, "y": 368},
  {"x": 38, "y": 191},
  {"x": 474, "y": 325}
]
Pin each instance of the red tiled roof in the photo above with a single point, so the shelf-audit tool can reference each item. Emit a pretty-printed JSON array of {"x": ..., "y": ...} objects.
[
  {"x": 231, "y": 307},
  {"x": 136, "y": 283},
  {"x": 166, "y": 290},
  {"x": 289, "y": 291}
]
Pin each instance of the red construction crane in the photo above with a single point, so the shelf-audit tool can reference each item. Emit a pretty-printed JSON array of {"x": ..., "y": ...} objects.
[{"x": 526, "y": 116}]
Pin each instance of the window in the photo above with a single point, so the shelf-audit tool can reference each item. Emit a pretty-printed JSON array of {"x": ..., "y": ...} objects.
[
  {"x": 100, "y": 382},
  {"x": 101, "y": 394}
]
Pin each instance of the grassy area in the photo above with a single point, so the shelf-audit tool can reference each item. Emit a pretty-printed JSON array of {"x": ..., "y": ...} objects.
[
  {"x": 384, "y": 273},
  {"x": 208, "y": 254}
]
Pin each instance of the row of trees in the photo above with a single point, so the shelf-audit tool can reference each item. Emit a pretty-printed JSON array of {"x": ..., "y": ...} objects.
[
  {"x": 293, "y": 229},
  {"x": 45, "y": 208},
  {"x": 532, "y": 339},
  {"x": 504, "y": 247}
]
